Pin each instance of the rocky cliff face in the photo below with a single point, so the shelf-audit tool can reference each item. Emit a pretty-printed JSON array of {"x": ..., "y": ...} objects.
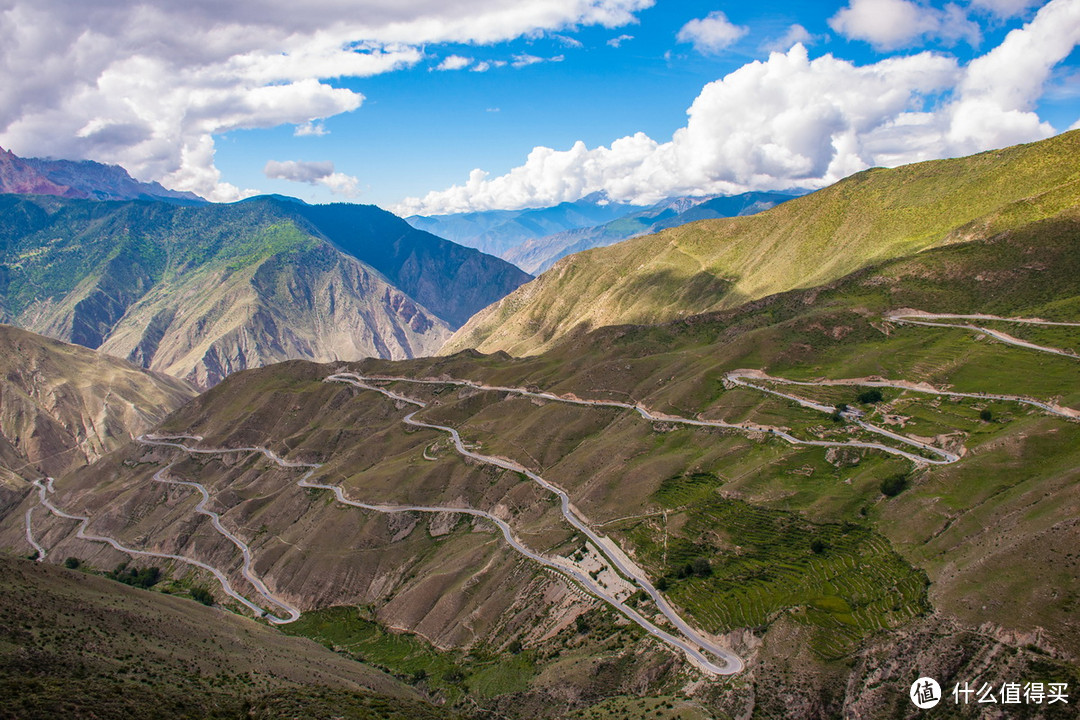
[
  {"x": 200, "y": 292},
  {"x": 315, "y": 303},
  {"x": 18, "y": 176},
  {"x": 79, "y": 179}
]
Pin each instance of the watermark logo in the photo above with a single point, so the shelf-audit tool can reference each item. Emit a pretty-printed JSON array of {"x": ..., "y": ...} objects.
[{"x": 925, "y": 693}]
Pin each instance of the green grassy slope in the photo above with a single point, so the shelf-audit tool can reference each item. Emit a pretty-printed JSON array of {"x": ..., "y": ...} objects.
[
  {"x": 994, "y": 534},
  {"x": 838, "y": 593},
  {"x": 78, "y": 645},
  {"x": 715, "y": 264}
]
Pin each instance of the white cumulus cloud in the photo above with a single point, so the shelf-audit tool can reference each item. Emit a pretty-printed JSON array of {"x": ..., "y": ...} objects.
[
  {"x": 525, "y": 60},
  {"x": 311, "y": 128},
  {"x": 150, "y": 84},
  {"x": 313, "y": 173},
  {"x": 892, "y": 24},
  {"x": 793, "y": 121},
  {"x": 1005, "y": 8},
  {"x": 454, "y": 62},
  {"x": 795, "y": 34},
  {"x": 712, "y": 33}
]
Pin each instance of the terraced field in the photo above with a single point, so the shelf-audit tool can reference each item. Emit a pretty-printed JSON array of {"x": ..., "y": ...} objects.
[{"x": 844, "y": 581}]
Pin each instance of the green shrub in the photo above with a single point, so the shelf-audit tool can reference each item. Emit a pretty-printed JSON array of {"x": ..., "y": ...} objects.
[
  {"x": 201, "y": 594},
  {"x": 145, "y": 578},
  {"x": 871, "y": 396},
  {"x": 71, "y": 563},
  {"x": 894, "y": 485}
]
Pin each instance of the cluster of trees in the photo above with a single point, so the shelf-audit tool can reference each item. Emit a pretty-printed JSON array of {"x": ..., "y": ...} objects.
[
  {"x": 145, "y": 578},
  {"x": 201, "y": 594},
  {"x": 698, "y": 567}
]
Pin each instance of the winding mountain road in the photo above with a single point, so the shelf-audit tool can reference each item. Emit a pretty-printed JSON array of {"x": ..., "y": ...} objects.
[
  {"x": 908, "y": 317},
  {"x": 30, "y": 533},
  {"x": 944, "y": 457},
  {"x": 731, "y": 663},
  {"x": 83, "y": 535},
  {"x": 693, "y": 644},
  {"x": 246, "y": 569},
  {"x": 739, "y": 377}
]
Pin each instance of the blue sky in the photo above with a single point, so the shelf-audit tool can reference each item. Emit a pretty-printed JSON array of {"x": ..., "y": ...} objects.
[{"x": 299, "y": 111}]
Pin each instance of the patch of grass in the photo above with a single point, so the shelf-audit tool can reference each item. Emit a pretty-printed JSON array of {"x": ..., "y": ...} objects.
[
  {"x": 410, "y": 658},
  {"x": 843, "y": 580},
  {"x": 684, "y": 489}
]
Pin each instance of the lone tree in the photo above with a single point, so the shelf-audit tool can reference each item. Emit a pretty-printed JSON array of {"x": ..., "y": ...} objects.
[
  {"x": 986, "y": 415},
  {"x": 871, "y": 396},
  {"x": 701, "y": 567},
  {"x": 894, "y": 485}
]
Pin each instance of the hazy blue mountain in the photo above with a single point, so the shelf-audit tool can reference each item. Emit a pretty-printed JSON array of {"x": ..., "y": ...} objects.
[
  {"x": 498, "y": 231},
  {"x": 538, "y": 254}
]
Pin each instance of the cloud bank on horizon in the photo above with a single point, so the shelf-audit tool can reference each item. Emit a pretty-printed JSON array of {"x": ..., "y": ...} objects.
[
  {"x": 795, "y": 122},
  {"x": 152, "y": 86}
]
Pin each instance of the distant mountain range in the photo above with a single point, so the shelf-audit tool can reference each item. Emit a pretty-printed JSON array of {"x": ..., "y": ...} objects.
[
  {"x": 201, "y": 291},
  {"x": 535, "y": 239},
  {"x": 497, "y": 232},
  {"x": 79, "y": 179},
  {"x": 538, "y": 254}
]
